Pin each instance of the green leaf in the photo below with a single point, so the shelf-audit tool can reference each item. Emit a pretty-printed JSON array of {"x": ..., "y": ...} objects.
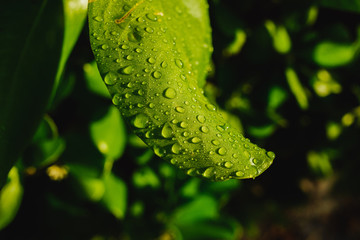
[
  {"x": 94, "y": 81},
  {"x": 296, "y": 88},
  {"x": 281, "y": 38},
  {"x": 115, "y": 197},
  {"x": 30, "y": 51},
  {"x": 10, "y": 198},
  {"x": 109, "y": 134},
  {"x": 330, "y": 54},
  {"x": 203, "y": 207},
  {"x": 74, "y": 18},
  {"x": 149, "y": 54}
]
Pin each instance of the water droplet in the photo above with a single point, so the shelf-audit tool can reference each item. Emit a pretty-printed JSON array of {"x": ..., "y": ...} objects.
[
  {"x": 127, "y": 95},
  {"x": 157, "y": 74},
  {"x": 239, "y": 173},
  {"x": 200, "y": 118},
  {"x": 159, "y": 151},
  {"x": 215, "y": 142},
  {"x": 247, "y": 154},
  {"x": 167, "y": 131},
  {"x": 185, "y": 134},
  {"x": 138, "y": 50},
  {"x": 209, "y": 172},
  {"x": 111, "y": 78},
  {"x": 173, "y": 161},
  {"x": 179, "y": 63},
  {"x": 129, "y": 57},
  {"x": 179, "y": 109},
  {"x": 204, "y": 129},
  {"x": 221, "y": 151},
  {"x": 210, "y": 107},
  {"x": 176, "y": 148},
  {"x": 141, "y": 120},
  {"x": 235, "y": 155},
  {"x": 163, "y": 64},
  {"x": 228, "y": 164},
  {"x": 98, "y": 19},
  {"x": 182, "y": 76},
  {"x": 124, "y": 46},
  {"x": 183, "y": 124},
  {"x": 191, "y": 172},
  {"x": 140, "y": 92},
  {"x": 104, "y": 46},
  {"x": 151, "y": 60},
  {"x": 170, "y": 93},
  {"x": 149, "y": 29},
  {"x": 116, "y": 99},
  {"x": 195, "y": 140},
  {"x": 151, "y": 105},
  {"x": 151, "y": 17},
  {"x": 271, "y": 155},
  {"x": 127, "y": 70}
]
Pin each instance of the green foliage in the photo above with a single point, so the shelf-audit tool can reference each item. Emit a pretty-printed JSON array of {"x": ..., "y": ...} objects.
[
  {"x": 152, "y": 71},
  {"x": 285, "y": 73}
]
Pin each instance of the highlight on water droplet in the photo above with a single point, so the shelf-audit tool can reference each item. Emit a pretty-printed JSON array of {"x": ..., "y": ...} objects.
[
  {"x": 116, "y": 99},
  {"x": 140, "y": 120},
  {"x": 151, "y": 60},
  {"x": 204, "y": 129},
  {"x": 221, "y": 151},
  {"x": 201, "y": 118},
  {"x": 195, "y": 140},
  {"x": 176, "y": 148},
  {"x": 180, "y": 109},
  {"x": 167, "y": 131},
  {"x": 157, "y": 74},
  {"x": 170, "y": 93},
  {"x": 210, "y": 107},
  {"x": 127, "y": 70},
  {"x": 179, "y": 63},
  {"x": 111, "y": 78},
  {"x": 209, "y": 172}
]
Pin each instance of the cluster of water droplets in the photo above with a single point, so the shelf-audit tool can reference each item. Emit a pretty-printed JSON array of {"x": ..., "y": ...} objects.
[{"x": 156, "y": 91}]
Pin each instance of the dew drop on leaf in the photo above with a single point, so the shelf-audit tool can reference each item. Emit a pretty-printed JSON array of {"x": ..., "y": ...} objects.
[
  {"x": 141, "y": 120},
  {"x": 167, "y": 131},
  {"x": 170, "y": 93},
  {"x": 221, "y": 151},
  {"x": 157, "y": 74},
  {"x": 200, "y": 118},
  {"x": 111, "y": 78},
  {"x": 176, "y": 148}
]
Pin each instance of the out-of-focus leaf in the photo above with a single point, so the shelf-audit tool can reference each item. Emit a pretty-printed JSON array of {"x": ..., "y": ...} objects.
[
  {"x": 261, "y": 131},
  {"x": 191, "y": 187},
  {"x": 74, "y": 19},
  {"x": 10, "y": 198},
  {"x": 109, "y": 134},
  {"x": 333, "y": 130},
  {"x": 31, "y": 41},
  {"x": 222, "y": 187},
  {"x": 236, "y": 45},
  {"x": 89, "y": 181},
  {"x": 319, "y": 163},
  {"x": 146, "y": 177},
  {"x": 296, "y": 88},
  {"x": 277, "y": 96},
  {"x": 330, "y": 54},
  {"x": 347, "y": 5},
  {"x": 115, "y": 197},
  {"x": 281, "y": 38},
  {"x": 212, "y": 230},
  {"x": 94, "y": 81},
  {"x": 312, "y": 15},
  {"x": 202, "y": 207}
]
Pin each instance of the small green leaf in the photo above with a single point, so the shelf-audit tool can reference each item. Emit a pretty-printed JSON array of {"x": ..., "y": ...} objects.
[
  {"x": 296, "y": 88},
  {"x": 330, "y": 54},
  {"x": 202, "y": 207},
  {"x": 115, "y": 197},
  {"x": 280, "y": 36},
  {"x": 94, "y": 81},
  {"x": 10, "y": 198},
  {"x": 109, "y": 134},
  {"x": 347, "y": 5}
]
